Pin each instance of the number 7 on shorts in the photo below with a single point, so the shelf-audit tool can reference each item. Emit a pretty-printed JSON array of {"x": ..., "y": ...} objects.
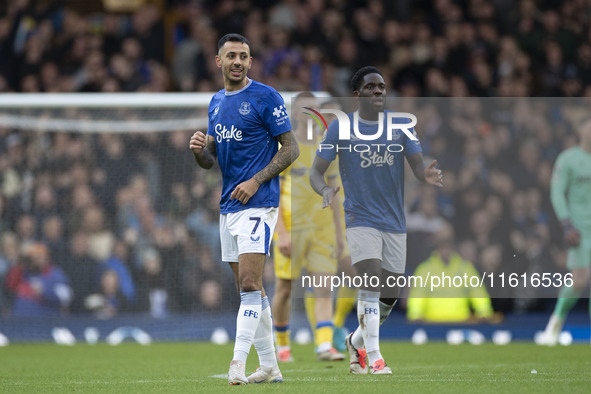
[{"x": 256, "y": 225}]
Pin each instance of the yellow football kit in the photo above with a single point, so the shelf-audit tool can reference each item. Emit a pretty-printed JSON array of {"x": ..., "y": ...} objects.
[{"x": 311, "y": 227}]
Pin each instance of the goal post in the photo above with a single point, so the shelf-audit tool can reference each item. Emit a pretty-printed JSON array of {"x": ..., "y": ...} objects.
[
  {"x": 107, "y": 184},
  {"x": 189, "y": 111}
]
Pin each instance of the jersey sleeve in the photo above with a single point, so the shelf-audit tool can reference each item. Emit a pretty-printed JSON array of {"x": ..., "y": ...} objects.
[
  {"x": 210, "y": 127},
  {"x": 559, "y": 186},
  {"x": 274, "y": 114},
  {"x": 327, "y": 149},
  {"x": 410, "y": 146}
]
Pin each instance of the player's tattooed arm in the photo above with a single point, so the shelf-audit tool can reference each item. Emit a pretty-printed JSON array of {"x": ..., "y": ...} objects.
[
  {"x": 428, "y": 174},
  {"x": 203, "y": 148},
  {"x": 286, "y": 155}
]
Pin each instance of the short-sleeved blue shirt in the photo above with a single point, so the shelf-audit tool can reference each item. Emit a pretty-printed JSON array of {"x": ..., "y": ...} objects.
[
  {"x": 373, "y": 177},
  {"x": 244, "y": 124}
]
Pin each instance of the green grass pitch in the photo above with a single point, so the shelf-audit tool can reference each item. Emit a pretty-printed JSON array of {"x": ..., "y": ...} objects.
[{"x": 201, "y": 367}]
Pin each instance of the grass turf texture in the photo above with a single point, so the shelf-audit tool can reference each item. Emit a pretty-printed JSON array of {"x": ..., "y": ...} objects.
[{"x": 201, "y": 367}]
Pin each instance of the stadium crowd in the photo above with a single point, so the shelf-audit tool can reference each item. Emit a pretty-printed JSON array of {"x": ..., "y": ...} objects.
[
  {"x": 426, "y": 47},
  {"x": 132, "y": 223}
]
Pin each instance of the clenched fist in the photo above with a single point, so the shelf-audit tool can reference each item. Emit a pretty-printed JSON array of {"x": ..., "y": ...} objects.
[{"x": 197, "y": 142}]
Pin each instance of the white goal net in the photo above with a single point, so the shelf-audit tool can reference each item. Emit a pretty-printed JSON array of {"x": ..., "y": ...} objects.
[{"x": 106, "y": 220}]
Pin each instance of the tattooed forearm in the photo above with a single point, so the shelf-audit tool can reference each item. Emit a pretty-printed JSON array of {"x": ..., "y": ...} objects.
[
  {"x": 207, "y": 156},
  {"x": 286, "y": 155}
]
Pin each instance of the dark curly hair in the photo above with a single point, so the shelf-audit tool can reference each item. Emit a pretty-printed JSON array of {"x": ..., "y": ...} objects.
[{"x": 360, "y": 74}]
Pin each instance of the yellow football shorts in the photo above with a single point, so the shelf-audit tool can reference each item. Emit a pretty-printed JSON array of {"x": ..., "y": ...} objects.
[{"x": 312, "y": 249}]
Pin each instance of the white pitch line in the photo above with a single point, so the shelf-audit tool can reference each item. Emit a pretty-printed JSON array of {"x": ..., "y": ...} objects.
[{"x": 103, "y": 382}]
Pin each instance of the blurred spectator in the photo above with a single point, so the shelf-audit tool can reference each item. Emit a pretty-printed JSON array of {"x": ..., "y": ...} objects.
[
  {"x": 524, "y": 175},
  {"x": 4, "y": 215},
  {"x": 421, "y": 226},
  {"x": 169, "y": 241},
  {"x": 81, "y": 268},
  {"x": 9, "y": 254},
  {"x": 493, "y": 261},
  {"x": 148, "y": 27},
  {"x": 108, "y": 302},
  {"x": 118, "y": 262},
  {"x": 26, "y": 229},
  {"x": 202, "y": 274},
  {"x": 153, "y": 293},
  {"x": 210, "y": 295},
  {"x": 447, "y": 303},
  {"x": 53, "y": 235},
  {"x": 100, "y": 239},
  {"x": 81, "y": 199},
  {"x": 38, "y": 287},
  {"x": 189, "y": 64}
]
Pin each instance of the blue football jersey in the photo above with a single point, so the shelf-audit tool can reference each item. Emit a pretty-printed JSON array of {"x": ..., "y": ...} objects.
[
  {"x": 372, "y": 172},
  {"x": 244, "y": 124}
]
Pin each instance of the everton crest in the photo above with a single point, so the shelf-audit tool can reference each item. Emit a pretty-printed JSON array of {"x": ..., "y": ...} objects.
[{"x": 244, "y": 108}]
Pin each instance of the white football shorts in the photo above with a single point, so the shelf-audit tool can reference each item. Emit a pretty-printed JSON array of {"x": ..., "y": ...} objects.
[
  {"x": 247, "y": 231},
  {"x": 368, "y": 243}
]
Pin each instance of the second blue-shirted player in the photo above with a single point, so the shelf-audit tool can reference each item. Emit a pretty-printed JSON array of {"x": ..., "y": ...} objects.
[
  {"x": 373, "y": 183},
  {"x": 247, "y": 121}
]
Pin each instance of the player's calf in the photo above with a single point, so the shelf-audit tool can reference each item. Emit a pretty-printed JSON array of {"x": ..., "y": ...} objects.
[{"x": 386, "y": 306}]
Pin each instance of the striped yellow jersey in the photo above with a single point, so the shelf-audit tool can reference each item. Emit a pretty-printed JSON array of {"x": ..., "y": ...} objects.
[{"x": 301, "y": 207}]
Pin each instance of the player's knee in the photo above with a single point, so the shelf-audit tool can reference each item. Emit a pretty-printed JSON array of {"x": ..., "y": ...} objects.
[
  {"x": 249, "y": 283},
  {"x": 283, "y": 292},
  {"x": 371, "y": 268},
  {"x": 322, "y": 292}
]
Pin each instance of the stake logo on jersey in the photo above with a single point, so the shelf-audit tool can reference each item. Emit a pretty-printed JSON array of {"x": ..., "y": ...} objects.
[
  {"x": 375, "y": 159},
  {"x": 372, "y": 174},
  {"x": 245, "y": 128},
  {"x": 222, "y": 133}
]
